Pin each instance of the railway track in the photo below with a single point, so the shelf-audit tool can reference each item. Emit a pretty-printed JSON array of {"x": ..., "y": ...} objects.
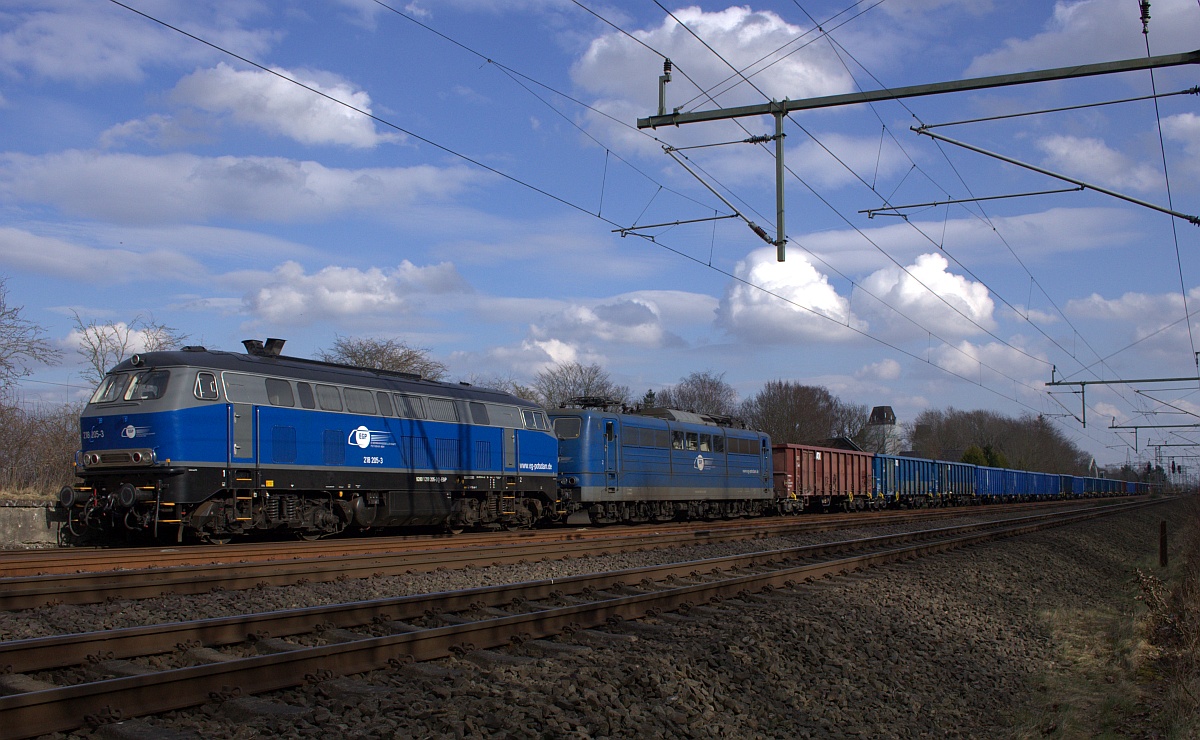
[
  {"x": 153, "y": 669},
  {"x": 97, "y": 576}
]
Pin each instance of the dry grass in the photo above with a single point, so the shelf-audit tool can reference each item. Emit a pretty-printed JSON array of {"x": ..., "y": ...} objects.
[{"x": 1130, "y": 667}]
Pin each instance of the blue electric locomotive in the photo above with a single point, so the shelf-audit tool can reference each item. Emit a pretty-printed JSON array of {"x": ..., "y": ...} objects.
[
  {"x": 659, "y": 465},
  {"x": 216, "y": 444}
]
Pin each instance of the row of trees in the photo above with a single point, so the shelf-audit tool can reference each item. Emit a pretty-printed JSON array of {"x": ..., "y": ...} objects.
[{"x": 1028, "y": 442}]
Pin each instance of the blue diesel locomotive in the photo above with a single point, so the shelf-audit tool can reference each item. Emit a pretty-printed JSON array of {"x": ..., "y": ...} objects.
[{"x": 216, "y": 444}]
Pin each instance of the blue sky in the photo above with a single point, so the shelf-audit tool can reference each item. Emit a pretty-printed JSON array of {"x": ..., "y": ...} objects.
[{"x": 145, "y": 172}]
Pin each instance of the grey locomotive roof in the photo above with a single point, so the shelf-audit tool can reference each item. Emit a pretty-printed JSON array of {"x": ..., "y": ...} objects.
[{"x": 315, "y": 371}]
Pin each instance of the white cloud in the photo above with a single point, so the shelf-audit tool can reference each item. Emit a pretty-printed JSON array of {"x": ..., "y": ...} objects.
[
  {"x": 137, "y": 189},
  {"x": 887, "y": 369},
  {"x": 60, "y": 258},
  {"x": 275, "y": 105},
  {"x": 1092, "y": 160},
  {"x": 740, "y": 35},
  {"x": 624, "y": 321},
  {"x": 1089, "y": 31},
  {"x": 1185, "y": 129},
  {"x": 796, "y": 302},
  {"x": 1002, "y": 362},
  {"x": 922, "y": 294},
  {"x": 84, "y": 42},
  {"x": 290, "y": 296}
]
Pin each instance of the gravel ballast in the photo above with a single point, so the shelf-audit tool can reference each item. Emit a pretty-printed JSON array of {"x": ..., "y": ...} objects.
[{"x": 953, "y": 645}]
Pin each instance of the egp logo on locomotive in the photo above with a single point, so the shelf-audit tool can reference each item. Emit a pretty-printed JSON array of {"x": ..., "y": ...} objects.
[{"x": 362, "y": 437}]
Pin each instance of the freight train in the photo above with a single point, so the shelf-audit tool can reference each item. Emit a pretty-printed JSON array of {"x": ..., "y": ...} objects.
[{"x": 211, "y": 445}]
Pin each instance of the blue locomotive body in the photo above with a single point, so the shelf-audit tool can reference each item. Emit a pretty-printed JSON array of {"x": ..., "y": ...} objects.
[
  {"x": 660, "y": 465},
  {"x": 217, "y": 444}
]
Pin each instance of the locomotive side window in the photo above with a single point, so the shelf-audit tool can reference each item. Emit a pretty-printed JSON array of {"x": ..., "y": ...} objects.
[
  {"x": 306, "y": 395},
  {"x": 279, "y": 393},
  {"x": 147, "y": 386},
  {"x": 479, "y": 413},
  {"x": 359, "y": 402},
  {"x": 441, "y": 409},
  {"x": 385, "y": 403},
  {"x": 706, "y": 443},
  {"x": 567, "y": 427},
  {"x": 110, "y": 389},
  {"x": 410, "y": 407},
  {"x": 206, "y": 387},
  {"x": 718, "y": 443},
  {"x": 677, "y": 440},
  {"x": 692, "y": 441},
  {"x": 329, "y": 398},
  {"x": 505, "y": 416},
  {"x": 662, "y": 438}
]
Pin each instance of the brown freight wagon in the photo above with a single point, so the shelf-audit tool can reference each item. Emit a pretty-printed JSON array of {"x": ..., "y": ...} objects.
[{"x": 819, "y": 476}]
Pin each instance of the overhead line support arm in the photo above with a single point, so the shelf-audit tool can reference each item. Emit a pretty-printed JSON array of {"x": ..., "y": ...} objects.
[{"x": 912, "y": 91}]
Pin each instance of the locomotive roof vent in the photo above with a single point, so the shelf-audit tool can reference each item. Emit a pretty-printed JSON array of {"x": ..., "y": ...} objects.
[
  {"x": 193, "y": 348},
  {"x": 256, "y": 347}
]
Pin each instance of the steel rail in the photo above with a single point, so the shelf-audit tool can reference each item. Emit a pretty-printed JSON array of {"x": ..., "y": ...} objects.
[
  {"x": 22, "y": 656},
  {"x": 89, "y": 587},
  {"x": 70, "y": 707},
  {"x": 76, "y": 560}
]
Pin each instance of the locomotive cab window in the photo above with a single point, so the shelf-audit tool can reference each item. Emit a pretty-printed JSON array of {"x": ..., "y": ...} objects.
[
  {"x": 305, "y": 392},
  {"x": 567, "y": 427},
  {"x": 206, "y": 387},
  {"x": 534, "y": 419},
  {"x": 147, "y": 386},
  {"x": 706, "y": 443},
  {"x": 385, "y": 403},
  {"x": 279, "y": 392},
  {"x": 110, "y": 389},
  {"x": 718, "y": 443}
]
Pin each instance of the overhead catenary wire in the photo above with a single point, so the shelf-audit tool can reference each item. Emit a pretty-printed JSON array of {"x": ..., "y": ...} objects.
[
  {"x": 839, "y": 50},
  {"x": 543, "y": 192}
]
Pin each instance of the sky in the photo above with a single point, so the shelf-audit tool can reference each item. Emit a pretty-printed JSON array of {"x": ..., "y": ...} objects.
[{"x": 466, "y": 176}]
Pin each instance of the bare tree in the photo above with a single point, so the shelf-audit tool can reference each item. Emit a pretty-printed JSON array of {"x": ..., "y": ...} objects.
[
  {"x": 802, "y": 414},
  {"x": 37, "y": 448},
  {"x": 701, "y": 392},
  {"x": 505, "y": 383},
  {"x": 21, "y": 342},
  {"x": 384, "y": 354},
  {"x": 566, "y": 380},
  {"x": 104, "y": 345}
]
